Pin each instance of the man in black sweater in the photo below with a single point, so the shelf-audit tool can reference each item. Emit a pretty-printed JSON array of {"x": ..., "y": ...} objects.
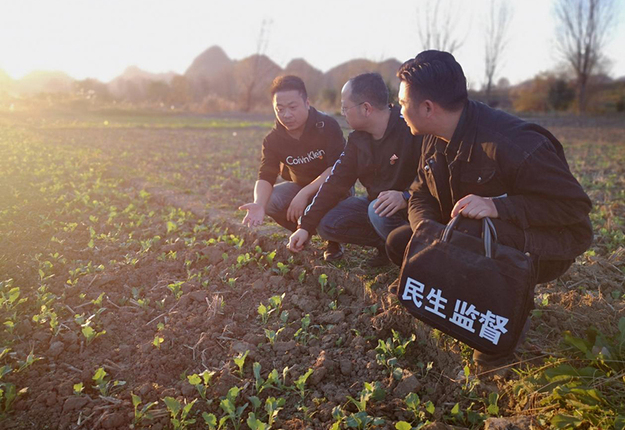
[
  {"x": 302, "y": 147},
  {"x": 381, "y": 153},
  {"x": 480, "y": 162}
]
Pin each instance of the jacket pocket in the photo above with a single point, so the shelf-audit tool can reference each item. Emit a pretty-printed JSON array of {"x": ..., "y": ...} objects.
[{"x": 482, "y": 182}]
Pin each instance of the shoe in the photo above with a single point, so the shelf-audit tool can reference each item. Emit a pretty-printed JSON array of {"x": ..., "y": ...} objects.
[
  {"x": 333, "y": 252},
  {"x": 379, "y": 260},
  {"x": 492, "y": 361}
]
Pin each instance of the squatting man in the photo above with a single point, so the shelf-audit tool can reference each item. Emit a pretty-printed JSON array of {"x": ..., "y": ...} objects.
[
  {"x": 382, "y": 154},
  {"x": 480, "y": 162},
  {"x": 301, "y": 148}
]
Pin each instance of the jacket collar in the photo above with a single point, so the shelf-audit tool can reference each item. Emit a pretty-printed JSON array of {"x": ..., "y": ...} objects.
[
  {"x": 364, "y": 138},
  {"x": 463, "y": 138}
]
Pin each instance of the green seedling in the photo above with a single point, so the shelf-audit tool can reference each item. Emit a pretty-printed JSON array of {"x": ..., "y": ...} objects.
[
  {"x": 141, "y": 414},
  {"x": 270, "y": 256},
  {"x": 302, "y": 335},
  {"x": 175, "y": 407},
  {"x": 390, "y": 351},
  {"x": 201, "y": 381},
  {"x": 158, "y": 340},
  {"x": 413, "y": 404},
  {"x": 233, "y": 412},
  {"x": 300, "y": 383},
  {"x": 105, "y": 387},
  {"x": 361, "y": 419},
  {"x": 256, "y": 403},
  {"x": 302, "y": 276},
  {"x": 78, "y": 388},
  {"x": 176, "y": 288},
  {"x": 239, "y": 360},
  {"x": 281, "y": 268},
  {"x": 491, "y": 408},
  {"x": 90, "y": 333},
  {"x": 260, "y": 384},
  {"x": 254, "y": 423},
  {"x": 323, "y": 281},
  {"x": 272, "y": 335},
  {"x": 30, "y": 359},
  {"x": 210, "y": 420},
  {"x": 273, "y": 406},
  {"x": 275, "y": 303}
]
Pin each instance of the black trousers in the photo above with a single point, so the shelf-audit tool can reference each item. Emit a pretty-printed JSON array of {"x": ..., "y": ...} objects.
[{"x": 507, "y": 233}]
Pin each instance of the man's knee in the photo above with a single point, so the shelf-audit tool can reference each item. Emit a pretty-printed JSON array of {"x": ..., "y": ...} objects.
[{"x": 396, "y": 243}]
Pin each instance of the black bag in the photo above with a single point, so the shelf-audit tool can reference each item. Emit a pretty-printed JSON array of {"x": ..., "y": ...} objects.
[{"x": 474, "y": 289}]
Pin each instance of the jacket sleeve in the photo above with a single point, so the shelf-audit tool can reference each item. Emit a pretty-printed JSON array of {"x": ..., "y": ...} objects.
[
  {"x": 422, "y": 204},
  {"x": 544, "y": 193},
  {"x": 335, "y": 144},
  {"x": 336, "y": 186},
  {"x": 269, "y": 164}
]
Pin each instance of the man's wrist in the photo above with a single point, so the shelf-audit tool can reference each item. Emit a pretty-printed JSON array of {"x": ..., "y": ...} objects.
[{"x": 406, "y": 195}]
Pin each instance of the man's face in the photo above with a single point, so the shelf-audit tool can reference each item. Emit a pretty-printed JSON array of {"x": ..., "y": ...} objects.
[
  {"x": 291, "y": 109},
  {"x": 350, "y": 110},
  {"x": 411, "y": 110}
]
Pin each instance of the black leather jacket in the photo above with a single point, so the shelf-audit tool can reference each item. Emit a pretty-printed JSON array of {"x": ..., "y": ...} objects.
[
  {"x": 495, "y": 154},
  {"x": 387, "y": 164}
]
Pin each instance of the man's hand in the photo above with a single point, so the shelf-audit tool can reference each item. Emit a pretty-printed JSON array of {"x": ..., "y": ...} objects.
[
  {"x": 389, "y": 202},
  {"x": 297, "y": 206},
  {"x": 298, "y": 240},
  {"x": 255, "y": 214},
  {"x": 477, "y": 207}
]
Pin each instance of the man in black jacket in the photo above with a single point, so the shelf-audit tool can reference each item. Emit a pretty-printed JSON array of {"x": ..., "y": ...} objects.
[
  {"x": 382, "y": 153},
  {"x": 302, "y": 147},
  {"x": 480, "y": 162}
]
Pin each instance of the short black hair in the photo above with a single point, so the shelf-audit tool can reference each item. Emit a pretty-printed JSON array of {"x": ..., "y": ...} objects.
[
  {"x": 369, "y": 87},
  {"x": 436, "y": 76},
  {"x": 289, "y": 83}
]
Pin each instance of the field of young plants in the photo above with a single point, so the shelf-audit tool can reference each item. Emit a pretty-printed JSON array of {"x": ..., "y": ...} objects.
[{"x": 131, "y": 296}]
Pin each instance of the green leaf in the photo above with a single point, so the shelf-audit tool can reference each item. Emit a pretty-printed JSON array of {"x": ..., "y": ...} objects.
[
  {"x": 173, "y": 405},
  {"x": 565, "y": 421},
  {"x": 194, "y": 379},
  {"x": 403, "y": 425},
  {"x": 210, "y": 420}
]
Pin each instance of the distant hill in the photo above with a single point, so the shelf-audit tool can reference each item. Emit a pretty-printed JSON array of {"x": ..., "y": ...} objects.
[
  {"x": 209, "y": 64},
  {"x": 311, "y": 76},
  {"x": 44, "y": 81},
  {"x": 135, "y": 81},
  {"x": 5, "y": 81},
  {"x": 212, "y": 79}
]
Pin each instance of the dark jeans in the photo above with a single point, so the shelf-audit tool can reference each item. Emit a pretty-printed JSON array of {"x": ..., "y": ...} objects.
[
  {"x": 279, "y": 202},
  {"x": 507, "y": 233},
  {"x": 354, "y": 221}
]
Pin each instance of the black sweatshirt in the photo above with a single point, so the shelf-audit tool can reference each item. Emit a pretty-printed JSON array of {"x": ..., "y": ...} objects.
[
  {"x": 305, "y": 159},
  {"x": 386, "y": 164}
]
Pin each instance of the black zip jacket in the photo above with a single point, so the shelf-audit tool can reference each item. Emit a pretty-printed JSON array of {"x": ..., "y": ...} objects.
[
  {"x": 387, "y": 164},
  {"x": 303, "y": 160},
  {"x": 521, "y": 165}
]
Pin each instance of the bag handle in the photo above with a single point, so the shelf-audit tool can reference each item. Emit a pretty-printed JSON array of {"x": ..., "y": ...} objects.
[{"x": 489, "y": 233}]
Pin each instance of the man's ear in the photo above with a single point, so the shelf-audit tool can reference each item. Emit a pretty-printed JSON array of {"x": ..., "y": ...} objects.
[
  {"x": 368, "y": 108},
  {"x": 429, "y": 107}
]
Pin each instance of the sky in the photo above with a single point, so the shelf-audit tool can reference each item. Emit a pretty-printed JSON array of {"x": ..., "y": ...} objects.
[{"x": 101, "y": 38}]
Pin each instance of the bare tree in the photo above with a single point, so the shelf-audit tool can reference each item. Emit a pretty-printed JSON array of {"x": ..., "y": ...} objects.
[
  {"x": 495, "y": 38},
  {"x": 257, "y": 68},
  {"x": 438, "y": 25},
  {"x": 584, "y": 28}
]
